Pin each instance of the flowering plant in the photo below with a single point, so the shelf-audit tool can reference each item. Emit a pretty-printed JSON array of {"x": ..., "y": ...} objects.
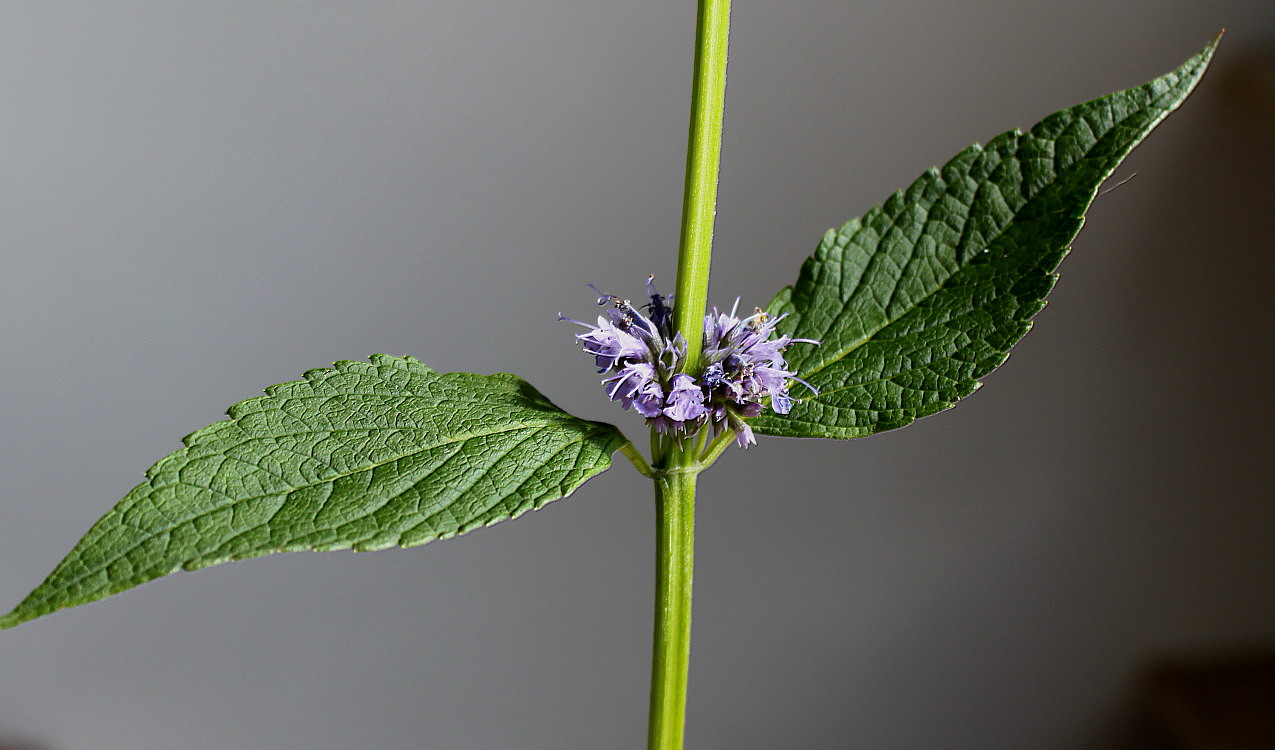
[
  {"x": 742, "y": 369},
  {"x": 896, "y": 316}
]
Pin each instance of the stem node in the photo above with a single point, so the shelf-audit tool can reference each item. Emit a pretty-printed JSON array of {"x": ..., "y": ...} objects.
[{"x": 677, "y": 465}]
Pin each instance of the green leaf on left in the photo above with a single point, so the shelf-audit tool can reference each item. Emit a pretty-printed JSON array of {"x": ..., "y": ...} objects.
[
  {"x": 363, "y": 456},
  {"x": 925, "y": 294}
]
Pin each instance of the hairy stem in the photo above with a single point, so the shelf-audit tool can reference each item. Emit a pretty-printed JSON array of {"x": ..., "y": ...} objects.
[
  {"x": 703, "y": 157},
  {"x": 677, "y": 463},
  {"x": 674, "y": 565}
]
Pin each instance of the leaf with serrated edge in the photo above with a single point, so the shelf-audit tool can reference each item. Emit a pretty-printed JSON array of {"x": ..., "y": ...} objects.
[
  {"x": 924, "y": 295},
  {"x": 362, "y": 456}
]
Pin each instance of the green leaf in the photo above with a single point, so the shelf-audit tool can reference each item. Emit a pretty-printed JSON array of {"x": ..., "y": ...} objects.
[
  {"x": 924, "y": 295},
  {"x": 363, "y": 456}
]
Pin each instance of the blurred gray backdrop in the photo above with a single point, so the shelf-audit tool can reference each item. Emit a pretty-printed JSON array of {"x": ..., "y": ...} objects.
[{"x": 201, "y": 199}]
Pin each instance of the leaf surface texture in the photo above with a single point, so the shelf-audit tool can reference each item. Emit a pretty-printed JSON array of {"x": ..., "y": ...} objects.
[
  {"x": 924, "y": 295},
  {"x": 362, "y": 456}
]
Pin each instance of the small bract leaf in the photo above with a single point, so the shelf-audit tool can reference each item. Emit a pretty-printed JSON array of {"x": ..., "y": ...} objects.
[
  {"x": 362, "y": 456},
  {"x": 925, "y": 294}
]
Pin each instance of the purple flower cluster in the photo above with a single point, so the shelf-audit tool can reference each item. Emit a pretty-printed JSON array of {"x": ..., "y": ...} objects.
[{"x": 741, "y": 366}]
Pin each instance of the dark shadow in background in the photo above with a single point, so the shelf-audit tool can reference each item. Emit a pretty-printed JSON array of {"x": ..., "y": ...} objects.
[
  {"x": 8, "y": 742},
  {"x": 1199, "y": 410}
]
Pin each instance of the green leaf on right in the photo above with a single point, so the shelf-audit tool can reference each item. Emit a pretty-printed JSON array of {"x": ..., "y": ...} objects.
[{"x": 924, "y": 295}]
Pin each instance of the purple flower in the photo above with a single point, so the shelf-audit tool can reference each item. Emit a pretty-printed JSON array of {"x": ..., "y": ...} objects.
[
  {"x": 743, "y": 433},
  {"x": 743, "y": 367},
  {"x": 746, "y": 366},
  {"x": 635, "y": 385},
  {"x": 650, "y": 402},
  {"x": 609, "y": 344},
  {"x": 685, "y": 401},
  {"x": 628, "y": 381}
]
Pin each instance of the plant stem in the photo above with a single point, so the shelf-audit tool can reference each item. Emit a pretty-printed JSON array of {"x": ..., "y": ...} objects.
[
  {"x": 631, "y": 452},
  {"x": 703, "y": 158},
  {"x": 674, "y": 566},
  {"x": 676, "y": 465},
  {"x": 716, "y": 448}
]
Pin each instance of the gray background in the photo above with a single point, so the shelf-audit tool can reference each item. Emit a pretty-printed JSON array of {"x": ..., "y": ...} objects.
[{"x": 200, "y": 199}]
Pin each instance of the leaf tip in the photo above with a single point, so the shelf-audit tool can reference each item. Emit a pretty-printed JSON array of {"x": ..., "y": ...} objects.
[
  {"x": 23, "y": 614},
  {"x": 1205, "y": 56}
]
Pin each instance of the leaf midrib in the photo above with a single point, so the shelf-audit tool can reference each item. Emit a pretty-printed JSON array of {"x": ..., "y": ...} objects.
[
  {"x": 186, "y": 520},
  {"x": 390, "y": 498},
  {"x": 1000, "y": 233}
]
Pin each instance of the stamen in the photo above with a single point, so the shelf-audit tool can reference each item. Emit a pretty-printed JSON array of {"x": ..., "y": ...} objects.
[
  {"x": 813, "y": 389},
  {"x": 603, "y": 297},
  {"x": 757, "y": 320}
]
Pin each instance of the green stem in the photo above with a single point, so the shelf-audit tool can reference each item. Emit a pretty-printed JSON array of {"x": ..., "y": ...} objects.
[
  {"x": 676, "y": 466},
  {"x": 716, "y": 448},
  {"x": 703, "y": 157},
  {"x": 675, "y": 552},
  {"x": 631, "y": 452}
]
